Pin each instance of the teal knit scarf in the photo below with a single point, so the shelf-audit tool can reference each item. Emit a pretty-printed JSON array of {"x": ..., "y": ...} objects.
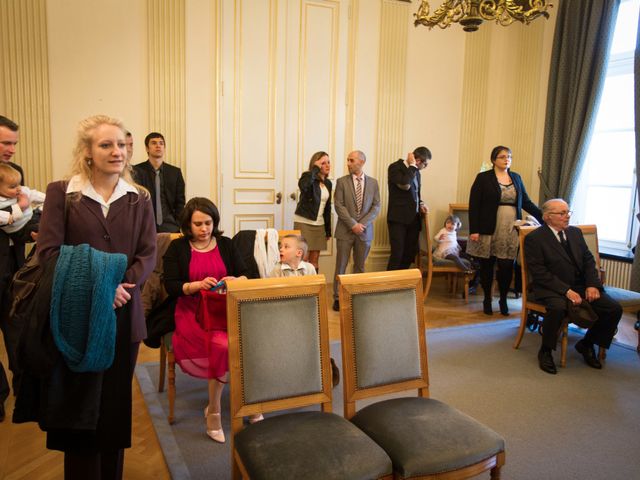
[{"x": 83, "y": 321}]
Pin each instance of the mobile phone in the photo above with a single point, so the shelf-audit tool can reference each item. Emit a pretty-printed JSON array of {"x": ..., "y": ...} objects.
[{"x": 217, "y": 285}]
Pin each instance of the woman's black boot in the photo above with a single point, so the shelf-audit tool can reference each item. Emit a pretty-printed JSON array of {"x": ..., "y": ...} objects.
[
  {"x": 504, "y": 307},
  {"x": 486, "y": 307}
]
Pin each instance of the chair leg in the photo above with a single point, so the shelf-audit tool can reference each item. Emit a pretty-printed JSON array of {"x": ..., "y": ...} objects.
[
  {"x": 523, "y": 325},
  {"x": 171, "y": 391},
  {"x": 602, "y": 354},
  {"x": 466, "y": 279},
  {"x": 564, "y": 342},
  {"x": 163, "y": 366},
  {"x": 428, "y": 284}
]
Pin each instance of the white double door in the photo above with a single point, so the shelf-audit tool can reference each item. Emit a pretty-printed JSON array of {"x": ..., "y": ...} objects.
[{"x": 282, "y": 98}]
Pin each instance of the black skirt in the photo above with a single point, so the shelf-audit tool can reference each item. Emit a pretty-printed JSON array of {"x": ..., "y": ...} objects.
[{"x": 85, "y": 396}]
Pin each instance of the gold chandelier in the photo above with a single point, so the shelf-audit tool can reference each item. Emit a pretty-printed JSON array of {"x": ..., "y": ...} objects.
[{"x": 471, "y": 13}]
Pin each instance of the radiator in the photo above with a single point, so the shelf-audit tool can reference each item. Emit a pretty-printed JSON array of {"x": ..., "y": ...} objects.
[{"x": 617, "y": 274}]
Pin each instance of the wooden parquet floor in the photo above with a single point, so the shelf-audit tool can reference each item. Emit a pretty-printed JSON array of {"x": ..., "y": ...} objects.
[{"x": 23, "y": 455}]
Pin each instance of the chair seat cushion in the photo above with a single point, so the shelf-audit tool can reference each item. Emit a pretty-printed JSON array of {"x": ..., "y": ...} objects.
[
  {"x": 626, "y": 298},
  {"x": 424, "y": 436},
  {"x": 443, "y": 262},
  {"x": 309, "y": 445}
]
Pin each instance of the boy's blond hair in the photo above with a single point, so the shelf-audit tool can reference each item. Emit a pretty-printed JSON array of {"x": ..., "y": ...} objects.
[
  {"x": 300, "y": 242},
  {"x": 9, "y": 174}
]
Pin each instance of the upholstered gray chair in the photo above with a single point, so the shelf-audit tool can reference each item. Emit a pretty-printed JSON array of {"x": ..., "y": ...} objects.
[
  {"x": 279, "y": 359},
  {"x": 384, "y": 351}
]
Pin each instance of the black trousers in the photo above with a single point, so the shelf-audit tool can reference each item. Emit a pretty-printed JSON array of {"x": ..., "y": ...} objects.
[
  {"x": 4, "y": 385},
  {"x": 403, "y": 239},
  {"x": 601, "y": 333}
]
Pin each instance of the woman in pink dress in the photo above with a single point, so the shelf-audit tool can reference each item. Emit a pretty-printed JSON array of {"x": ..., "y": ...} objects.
[{"x": 195, "y": 262}]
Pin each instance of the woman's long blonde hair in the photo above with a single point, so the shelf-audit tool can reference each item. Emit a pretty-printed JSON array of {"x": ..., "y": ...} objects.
[{"x": 81, "y": 166}]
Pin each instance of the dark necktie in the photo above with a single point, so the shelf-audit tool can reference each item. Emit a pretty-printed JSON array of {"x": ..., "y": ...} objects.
[
  {"x": 564, "y": 243},
  {"x": 158, "y": 199}
]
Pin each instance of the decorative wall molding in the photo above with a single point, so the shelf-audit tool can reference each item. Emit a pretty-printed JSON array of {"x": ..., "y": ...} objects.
[
  {"x": 256, "y": 30},
  {"x": 167, "y": 99},
  {"x": 475, "y": 90},
  {"x": 24, "y": 85},
  {"x": 527, "y": 93},
  {"x": 391, "y": 101}
]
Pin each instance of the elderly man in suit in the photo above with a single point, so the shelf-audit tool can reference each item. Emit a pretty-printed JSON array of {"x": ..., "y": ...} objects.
[
  {"x": 563, "y": 272},
  {"x": 405, "y": 207},
  {"x": 357, "y": 204},
  {"x": 164, "y": 182}
]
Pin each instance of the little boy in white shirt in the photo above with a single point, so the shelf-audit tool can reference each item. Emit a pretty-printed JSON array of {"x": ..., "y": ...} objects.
[{"x": 293, "y": 248}]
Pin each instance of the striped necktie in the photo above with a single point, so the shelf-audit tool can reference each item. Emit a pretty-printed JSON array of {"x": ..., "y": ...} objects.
[{"x": 358, "y": 195}]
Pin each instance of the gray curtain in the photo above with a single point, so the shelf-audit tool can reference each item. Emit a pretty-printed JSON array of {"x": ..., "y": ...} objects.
[
  {"x": 578, "y": 67},
  {"x": 635, "y": 269}
]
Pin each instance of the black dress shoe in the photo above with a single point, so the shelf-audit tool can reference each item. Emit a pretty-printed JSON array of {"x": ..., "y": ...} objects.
[
  {"x": 545, "y": 360},
  {"x": 336, "y": 306},
  {"x": 504, "y": 308},
  {"x": 486, "y": 307},
  {"x": 589, "y": 354}
]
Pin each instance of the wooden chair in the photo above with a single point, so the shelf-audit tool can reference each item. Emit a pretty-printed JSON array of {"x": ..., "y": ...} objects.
[
  {"x": 429, "y": 265},
  {"x": 167, "y": 359},
  {"x": 629, "y": 300},
  {"x": 384, "y": 351},
  {"x": 279, "y": 359}
]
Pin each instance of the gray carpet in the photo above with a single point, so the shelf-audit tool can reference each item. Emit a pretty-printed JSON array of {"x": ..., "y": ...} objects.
[{"x": 579, "y": 424}]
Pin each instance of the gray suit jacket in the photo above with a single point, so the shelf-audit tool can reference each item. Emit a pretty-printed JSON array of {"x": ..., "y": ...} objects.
[{"x": 345, "y": 204}]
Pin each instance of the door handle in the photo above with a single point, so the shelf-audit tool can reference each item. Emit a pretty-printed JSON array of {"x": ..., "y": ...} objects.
[
  {"x": 294, "y": 196},
  {"x": 279, "y": 198}
]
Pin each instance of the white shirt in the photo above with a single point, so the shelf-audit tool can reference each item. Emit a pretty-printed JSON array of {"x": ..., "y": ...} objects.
[
  {"x": 83, "y": 185},
  {"x": 285, "y": 270},
  {"x": 354, "y": 178}
]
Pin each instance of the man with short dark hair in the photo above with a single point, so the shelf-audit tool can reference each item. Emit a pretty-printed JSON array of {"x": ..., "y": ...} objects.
[
  {"x": 11, "y": 255},
  {"x": 164, "y": 182},
  {"x": 562, "y": 272},
  {"x": 9, "y": 136},
  {"x": 405, "y": 207}
]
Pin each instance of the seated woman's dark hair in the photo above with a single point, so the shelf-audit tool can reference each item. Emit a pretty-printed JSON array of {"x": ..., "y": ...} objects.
[{"x": 203, "y": 205}]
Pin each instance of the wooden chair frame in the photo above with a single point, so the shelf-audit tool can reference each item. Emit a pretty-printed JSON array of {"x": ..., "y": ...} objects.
[
  {"x": 355, "y": 284},
  {"x": 452, "y": 272},
  {"x": 528, "y": 305},
  {"x": 239, "y": 291}
]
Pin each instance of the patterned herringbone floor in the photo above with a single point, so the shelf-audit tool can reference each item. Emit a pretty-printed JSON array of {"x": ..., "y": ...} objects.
[{"x": 23, "y": 455}]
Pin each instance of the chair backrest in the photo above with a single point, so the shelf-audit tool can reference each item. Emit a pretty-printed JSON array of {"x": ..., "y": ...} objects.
[
  {"x": 424, "y": 259},
  {"x": 278, "y": 345},
  {"x": 523, "y": 231},
  {"x": 383, "y": 338},
  {"x": 461, "y": 210},
  {"x": 284, "y": 233}
]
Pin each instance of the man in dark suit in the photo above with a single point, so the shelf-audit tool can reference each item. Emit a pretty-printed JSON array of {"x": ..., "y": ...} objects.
[
  {"x": 357, "y": 204},
  {"x": 164, "y": 182},
  {"x": 11, "y": 255},
  {"x": 562, "y": 272},
  {"x": 405, "y": 207}
]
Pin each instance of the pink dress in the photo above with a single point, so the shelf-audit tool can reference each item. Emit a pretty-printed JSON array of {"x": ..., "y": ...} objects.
[{"x": 200, "y": 353}]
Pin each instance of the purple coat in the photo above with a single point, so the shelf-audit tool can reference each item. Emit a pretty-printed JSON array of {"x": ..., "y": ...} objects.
[{"x": 129, "y": 228}]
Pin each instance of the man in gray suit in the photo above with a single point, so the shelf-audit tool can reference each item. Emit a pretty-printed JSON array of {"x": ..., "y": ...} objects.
[{"x": 357, "y": 203}]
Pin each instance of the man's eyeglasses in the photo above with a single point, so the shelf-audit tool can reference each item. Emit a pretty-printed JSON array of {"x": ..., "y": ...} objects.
[{"x": 562, "y": 214}]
